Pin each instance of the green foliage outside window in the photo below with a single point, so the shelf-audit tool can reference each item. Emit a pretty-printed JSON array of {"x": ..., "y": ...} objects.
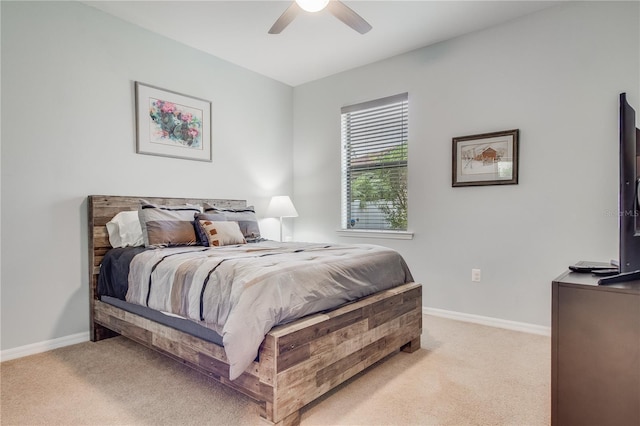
[{"x": 383, "y": 184}]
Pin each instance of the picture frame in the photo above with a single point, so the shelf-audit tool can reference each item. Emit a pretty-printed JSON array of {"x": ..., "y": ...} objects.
[
  {"x": 171, "y": 124},
  {"x": 486, "y": 159}
]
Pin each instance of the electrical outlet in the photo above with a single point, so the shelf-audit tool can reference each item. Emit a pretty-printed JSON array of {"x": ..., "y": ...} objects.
[{"x": 475, "y": 275}]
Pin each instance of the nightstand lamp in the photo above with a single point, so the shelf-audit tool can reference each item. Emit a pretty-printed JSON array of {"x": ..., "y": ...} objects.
[{"x": 281, "y": 206}]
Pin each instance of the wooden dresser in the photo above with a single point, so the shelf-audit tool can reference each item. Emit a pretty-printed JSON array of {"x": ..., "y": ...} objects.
[{"x": 595, "y": 350}]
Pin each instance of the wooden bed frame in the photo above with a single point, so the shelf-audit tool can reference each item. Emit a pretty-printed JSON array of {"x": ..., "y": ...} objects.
[{"x": 298, "y": 362}]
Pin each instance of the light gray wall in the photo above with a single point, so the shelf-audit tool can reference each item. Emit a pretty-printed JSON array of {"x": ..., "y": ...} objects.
[
  {"x": 554, "y": 75},
  {"x": 68, "y": 131}
]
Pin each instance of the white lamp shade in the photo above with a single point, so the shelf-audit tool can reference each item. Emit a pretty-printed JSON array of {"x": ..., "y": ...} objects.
[{"x": 281, "y": 206}]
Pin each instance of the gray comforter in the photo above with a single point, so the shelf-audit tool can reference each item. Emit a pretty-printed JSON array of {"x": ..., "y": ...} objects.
[{"x": 242, "y": 291}]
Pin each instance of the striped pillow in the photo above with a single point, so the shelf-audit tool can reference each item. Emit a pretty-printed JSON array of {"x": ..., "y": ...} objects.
[{"x": 164, "y": 226}]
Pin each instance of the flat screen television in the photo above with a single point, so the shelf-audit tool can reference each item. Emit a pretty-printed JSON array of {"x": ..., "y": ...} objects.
[{"x": 629, "y": 196}]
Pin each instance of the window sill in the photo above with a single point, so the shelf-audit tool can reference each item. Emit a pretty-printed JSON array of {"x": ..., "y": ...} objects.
[{"x": 396, "y": 235}]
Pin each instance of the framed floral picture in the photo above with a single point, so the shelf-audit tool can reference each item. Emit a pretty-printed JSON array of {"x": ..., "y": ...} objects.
[
  {"x": 486, "y": 159},
  {"x": 171, "y": 124}
]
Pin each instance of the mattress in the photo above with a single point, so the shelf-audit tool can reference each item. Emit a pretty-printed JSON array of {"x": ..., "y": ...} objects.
[{"x": 172, "y": 321}]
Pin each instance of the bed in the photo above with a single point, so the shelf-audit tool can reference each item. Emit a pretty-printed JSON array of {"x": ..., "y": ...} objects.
[{"x": 296, "y": 363}]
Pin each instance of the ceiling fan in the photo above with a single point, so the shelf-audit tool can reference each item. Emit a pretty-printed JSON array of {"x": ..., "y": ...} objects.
[{"x": 336, "y": 7}]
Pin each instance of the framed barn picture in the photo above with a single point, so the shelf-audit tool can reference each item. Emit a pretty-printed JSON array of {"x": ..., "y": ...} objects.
[
  {"x": 486, "y": 159},
  {"x": 171, "y": 124}
]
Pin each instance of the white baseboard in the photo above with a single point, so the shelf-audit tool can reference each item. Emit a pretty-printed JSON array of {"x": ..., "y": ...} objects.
[
  {"x": 36, "y": 348},
  {"x": 493, "y": 322}
]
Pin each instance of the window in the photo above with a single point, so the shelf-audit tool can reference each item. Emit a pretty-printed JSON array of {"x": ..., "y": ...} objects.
[{"x": 374, "y": 164}]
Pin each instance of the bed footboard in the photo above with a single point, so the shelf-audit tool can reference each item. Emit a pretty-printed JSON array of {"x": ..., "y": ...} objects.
[
  {"x": 314, "y": 355},
  {"x": 300, "y": 361}
]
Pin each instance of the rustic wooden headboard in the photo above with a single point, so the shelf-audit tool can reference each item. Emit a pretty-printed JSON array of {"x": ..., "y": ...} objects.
[{"x": 102, "y": 208}]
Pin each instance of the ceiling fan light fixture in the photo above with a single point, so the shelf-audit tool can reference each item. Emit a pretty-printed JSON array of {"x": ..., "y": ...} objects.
[
  {"x": 335, "y": 7},
  {"x": 312, "y": 5}
]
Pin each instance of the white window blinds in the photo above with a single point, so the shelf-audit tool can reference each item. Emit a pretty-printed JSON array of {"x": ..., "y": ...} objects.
[{"x": 374, "y": 164}]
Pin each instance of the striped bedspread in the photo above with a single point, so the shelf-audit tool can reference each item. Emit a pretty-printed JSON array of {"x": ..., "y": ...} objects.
[{"x": 243, "y": 291}]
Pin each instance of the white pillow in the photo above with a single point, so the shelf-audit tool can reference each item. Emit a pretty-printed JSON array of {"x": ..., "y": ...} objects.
[
  {"x": 124, "y": 230},
  {"x": 222, "y": 233}
]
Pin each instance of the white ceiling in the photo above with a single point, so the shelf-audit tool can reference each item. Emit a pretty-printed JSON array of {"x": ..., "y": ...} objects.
[{"x": 316, "y": 45}]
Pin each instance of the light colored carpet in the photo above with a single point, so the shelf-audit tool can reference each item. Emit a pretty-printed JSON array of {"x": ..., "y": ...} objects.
[{"x": 465, "y": 374}]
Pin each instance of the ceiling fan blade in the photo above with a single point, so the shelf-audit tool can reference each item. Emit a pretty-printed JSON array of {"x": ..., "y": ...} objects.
[
  {"x": 348, "y": 16},
  {"x": 285, "y": 19}
]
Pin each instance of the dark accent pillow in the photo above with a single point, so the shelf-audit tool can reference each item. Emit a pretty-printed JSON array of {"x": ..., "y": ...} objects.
[
  {"x": 164, "y": 226},
  {"x": 245, "y": 217}
]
